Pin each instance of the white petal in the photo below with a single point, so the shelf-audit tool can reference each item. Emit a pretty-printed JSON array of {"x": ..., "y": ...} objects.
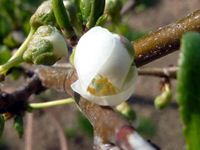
[
  {"x": 109, "y": 100},
  {"x": 117, "y": 65},
  {"x": 59, "y": 45},
  {"x": 91, "y": 54}
]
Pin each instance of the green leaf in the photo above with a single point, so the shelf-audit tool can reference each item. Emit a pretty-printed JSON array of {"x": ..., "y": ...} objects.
[
  {"x": 19, "y": 125},
  {"x": 97, "y": 10},
  {"x": 188, "y": 88}
]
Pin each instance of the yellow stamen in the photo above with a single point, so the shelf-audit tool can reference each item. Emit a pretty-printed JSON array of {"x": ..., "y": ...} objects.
[{"x": 101, "y": 86}]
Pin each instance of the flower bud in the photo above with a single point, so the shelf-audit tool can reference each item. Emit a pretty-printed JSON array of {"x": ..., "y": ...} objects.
[
  {"x": 103, "y": 62},
  {"x": 43, "y": 16},
  {"x": 164, "y": 99},
  {"x": 46, "y": 46}
]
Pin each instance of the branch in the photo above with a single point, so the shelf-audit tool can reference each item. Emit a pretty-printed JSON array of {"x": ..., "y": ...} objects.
[
  {"x": 60, "y": 131},
  {"x": 106, "y": 131},
  {"x": 17, "y": 101},
  {"x": 128, "y": 6},
  {"x": 109, "y": 127},
  {"x": 165, "y": 40},
  {"x": 169, "y": 72},
  {"x": 29, "y": 132}
]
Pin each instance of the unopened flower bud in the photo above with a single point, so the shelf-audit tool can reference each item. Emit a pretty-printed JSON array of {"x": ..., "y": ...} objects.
[
  {"x": 43, "y": 16},
  {"x": 105, "y": 68},
  {"x": 46, "y": 46}
]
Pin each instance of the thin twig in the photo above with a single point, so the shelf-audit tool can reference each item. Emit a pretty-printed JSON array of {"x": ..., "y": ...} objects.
[
  {"x": 169, "y": 72},
  {"x": 29, "y": 131},
  {"x": 130, "y": 4},
  {"x": 60, "y": 131}
]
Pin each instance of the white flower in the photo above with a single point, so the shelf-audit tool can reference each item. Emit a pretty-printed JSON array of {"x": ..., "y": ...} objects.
[{"x": 103, "y": 62}]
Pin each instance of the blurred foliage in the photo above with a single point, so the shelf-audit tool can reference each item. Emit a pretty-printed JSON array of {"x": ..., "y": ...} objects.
[
  {"x": 82, "y": 127},
  {"x": 15, "y": 15},
  {"x": 84, "y": 124},
  {"x": 2, "y": 123},
  {"x": 5, "y": 54},
  {"x": 146, "y": 127},
  {"x": 128, "y": 32},
  {"x": 145, "y": 4},
  {"x": 3, "y": 145}
]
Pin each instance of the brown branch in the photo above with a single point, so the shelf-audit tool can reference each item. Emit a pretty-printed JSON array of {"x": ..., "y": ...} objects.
[
  {"x": 17, "y": 101},
  {"x": 60, "y": 130},
  {"x": 169, "y": 72},
  {"x": 128, "y": 6},
  {"x": 108, "y": 125},
  {"x": 165, "y": 40},
  {"x": 29, "y": 131}
]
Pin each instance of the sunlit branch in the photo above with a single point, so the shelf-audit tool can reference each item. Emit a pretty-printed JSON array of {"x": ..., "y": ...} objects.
[{"x": 165, "y": 40}]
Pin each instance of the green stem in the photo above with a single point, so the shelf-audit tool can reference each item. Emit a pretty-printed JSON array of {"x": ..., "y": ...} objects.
[
  {"x": 52, "y": 103},
  {"x": 62, "y": 18},
  {"x": 23, "y": 47},
  {"x": 17, "y": 58}
]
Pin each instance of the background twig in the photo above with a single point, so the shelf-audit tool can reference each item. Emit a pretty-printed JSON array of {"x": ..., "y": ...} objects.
[
  {"x": 29, "y": 131},
  {"x": 169, "y": 72}
]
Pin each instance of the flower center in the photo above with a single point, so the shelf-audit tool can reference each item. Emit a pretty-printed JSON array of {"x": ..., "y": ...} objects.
[{"x": 101, "y": 86}]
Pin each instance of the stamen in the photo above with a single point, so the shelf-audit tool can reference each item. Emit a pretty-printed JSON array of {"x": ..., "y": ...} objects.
[{"x": 101, "y": 86}]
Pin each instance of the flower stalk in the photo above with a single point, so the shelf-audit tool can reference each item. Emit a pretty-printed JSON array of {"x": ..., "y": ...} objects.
[
  {"x": 51, "y": 103},
  {"x": 17, "y": 58}
]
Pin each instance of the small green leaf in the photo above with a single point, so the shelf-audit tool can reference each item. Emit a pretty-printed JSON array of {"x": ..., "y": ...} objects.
[
  {"x": 74, "y": 17},
  {"x": 85, "y": 8},
  {"x": 188, "y": 88},
  {"x": 19, "y": 125},
  {"x": 2, "y": 123}
]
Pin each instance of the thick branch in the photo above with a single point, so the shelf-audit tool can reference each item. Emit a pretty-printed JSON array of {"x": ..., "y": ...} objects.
[
  {"x": 109, "y": 127},
  {"x": 165, "y": 40},
  {"x": 16, "y": 102}
]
